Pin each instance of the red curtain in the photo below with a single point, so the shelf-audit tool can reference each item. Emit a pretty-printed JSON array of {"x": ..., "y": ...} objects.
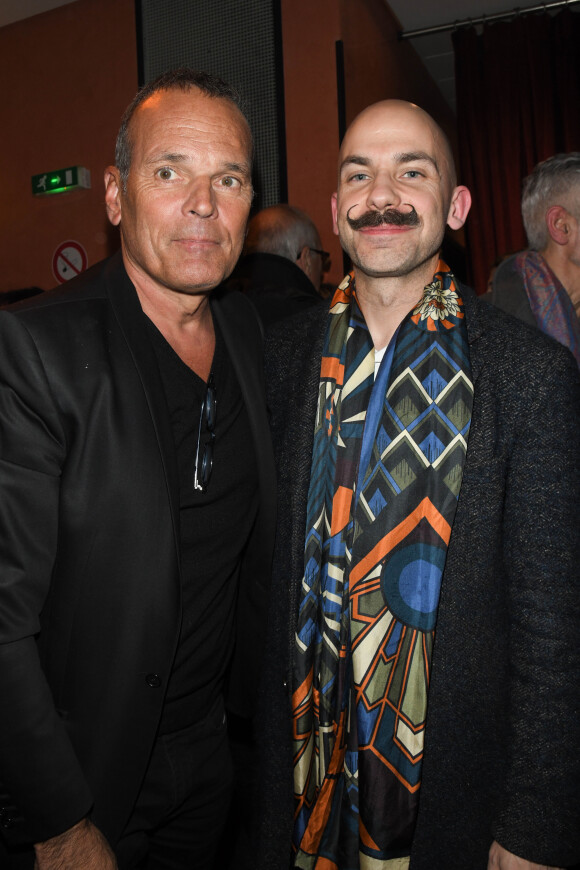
[{"x": 518, "y": 90}]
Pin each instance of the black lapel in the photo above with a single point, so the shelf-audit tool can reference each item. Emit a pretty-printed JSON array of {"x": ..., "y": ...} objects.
[
  {"x": 241, "y": 330},
  {"x": 296, "y": 404},
  {"x": 475, "y": 329},
  {"x": 127, "y": 308}
]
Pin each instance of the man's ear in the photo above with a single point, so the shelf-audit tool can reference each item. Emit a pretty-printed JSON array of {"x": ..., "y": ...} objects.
[
  {"x": 304, "y": 261},
  {"x": 303, "y": 258},
  {"x": 113, "y": 194},
  {"x": 559, "y": 224},
  {"x": 459, "y": 208},
  {"x": 334, "y": 209}
]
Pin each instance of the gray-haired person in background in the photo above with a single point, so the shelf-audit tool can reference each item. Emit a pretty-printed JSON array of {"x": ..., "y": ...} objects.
[
  {"x": 283, "y": 263},
  {"x": 541, "y": 285}
]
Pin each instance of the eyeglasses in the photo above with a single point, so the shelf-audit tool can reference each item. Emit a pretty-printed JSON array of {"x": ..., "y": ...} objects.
[
  {"x": 325, "y": 258},
  {"x": 204, "y": 453}
]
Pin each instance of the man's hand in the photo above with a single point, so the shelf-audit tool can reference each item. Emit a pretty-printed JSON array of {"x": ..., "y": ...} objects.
[
  {"x": 82, "y": 846},
  {"x": 501, "y": 859}
]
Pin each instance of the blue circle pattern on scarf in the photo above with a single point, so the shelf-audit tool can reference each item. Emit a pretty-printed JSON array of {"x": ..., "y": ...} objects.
[{"x": 411, "y": 582}]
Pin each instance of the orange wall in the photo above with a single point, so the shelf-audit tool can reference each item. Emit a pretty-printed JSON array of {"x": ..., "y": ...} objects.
[
  {"x": 377, "y": 66},
  {"x": 67, "y": 76},
  {"x": 309, "y": 33},
  {"x": 69, "y": 73}
]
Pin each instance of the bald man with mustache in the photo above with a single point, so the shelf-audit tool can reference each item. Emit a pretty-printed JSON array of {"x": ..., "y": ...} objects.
[{"x": 419, "y": 706}]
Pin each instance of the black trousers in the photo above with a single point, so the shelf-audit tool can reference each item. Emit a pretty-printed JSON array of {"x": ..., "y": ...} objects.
[
  {"x": 183, "y": 805},
  {"x": 182, "y": 808}
]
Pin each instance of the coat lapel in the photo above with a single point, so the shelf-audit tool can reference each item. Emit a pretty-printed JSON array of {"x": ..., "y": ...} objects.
[
  {"x": 475, "y": 329},
  {"x": 240, "y": 328},
  {"x": 125, "y": 303}
]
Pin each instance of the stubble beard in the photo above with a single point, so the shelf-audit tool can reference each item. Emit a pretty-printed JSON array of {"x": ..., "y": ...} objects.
[{"x": 382, "y": 263}]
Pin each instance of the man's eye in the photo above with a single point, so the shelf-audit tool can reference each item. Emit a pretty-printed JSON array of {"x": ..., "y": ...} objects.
[
  {"x": 166, "y": 173},
  {"x": 412, "y": 173},
  {"x": 229, "y": 181},
  {"x": 358, "y": 176}
]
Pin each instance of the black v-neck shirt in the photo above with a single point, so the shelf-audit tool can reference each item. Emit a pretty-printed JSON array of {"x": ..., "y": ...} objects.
[{"x": 214, "y": 527}]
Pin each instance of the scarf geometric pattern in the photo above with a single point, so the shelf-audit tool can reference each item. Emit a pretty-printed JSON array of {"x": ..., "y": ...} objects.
[
  {"x": 551, "y": 306},
  {"x": 385, "y": 477}
]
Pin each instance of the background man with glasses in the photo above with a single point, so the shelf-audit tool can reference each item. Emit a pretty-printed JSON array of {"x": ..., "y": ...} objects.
[
  {"x": 136, "y": 510},
  {"x": 283, "y": 263}
]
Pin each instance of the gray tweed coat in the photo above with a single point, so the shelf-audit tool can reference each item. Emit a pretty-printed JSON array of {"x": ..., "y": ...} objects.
[{"x": 502, "y": 756}]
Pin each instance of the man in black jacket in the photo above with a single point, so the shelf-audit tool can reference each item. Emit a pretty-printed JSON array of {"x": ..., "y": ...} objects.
[
  {"x": 423, "y": 640},
  {"x": 136, "y": 510}
]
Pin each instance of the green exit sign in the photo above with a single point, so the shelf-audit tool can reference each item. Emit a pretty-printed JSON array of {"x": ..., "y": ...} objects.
[{"x": 61, "y": 180}]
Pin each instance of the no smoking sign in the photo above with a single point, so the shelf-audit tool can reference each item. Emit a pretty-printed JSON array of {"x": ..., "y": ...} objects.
[{"x": 68, "y": 261}]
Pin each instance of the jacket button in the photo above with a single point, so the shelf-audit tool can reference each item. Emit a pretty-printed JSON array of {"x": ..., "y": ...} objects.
[
  {"x": 153, "y": 680},
  {"x": 6, "y": 818}
]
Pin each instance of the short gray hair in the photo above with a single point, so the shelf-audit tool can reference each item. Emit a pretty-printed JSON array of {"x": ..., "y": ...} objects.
[
  {"x": 183, "y": 78},
  {"x": 555, "y": 181},
  {"x": 283, "y": 230}
]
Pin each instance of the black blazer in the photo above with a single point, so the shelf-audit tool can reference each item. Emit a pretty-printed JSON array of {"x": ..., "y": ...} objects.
[
  {"x": 501, "y": 747},
  {"x": 89, "y": 562}
]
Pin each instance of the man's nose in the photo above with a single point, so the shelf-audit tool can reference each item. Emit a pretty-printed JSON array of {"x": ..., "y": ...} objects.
[
  {"x": 383, "y": 193},
  {"x": 200, "y": 198}
]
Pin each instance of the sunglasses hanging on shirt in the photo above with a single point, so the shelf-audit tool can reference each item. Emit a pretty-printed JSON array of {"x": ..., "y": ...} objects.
[{"x": 204, "y": 452}]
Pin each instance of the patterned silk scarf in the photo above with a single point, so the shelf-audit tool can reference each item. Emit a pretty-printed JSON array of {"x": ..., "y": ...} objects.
[
  {"x": 551, "y": 306},
  {"x": 386, "y": 471}
]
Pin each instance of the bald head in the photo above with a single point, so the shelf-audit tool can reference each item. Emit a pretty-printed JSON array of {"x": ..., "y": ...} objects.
[{"x": 386, "y": 119}]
